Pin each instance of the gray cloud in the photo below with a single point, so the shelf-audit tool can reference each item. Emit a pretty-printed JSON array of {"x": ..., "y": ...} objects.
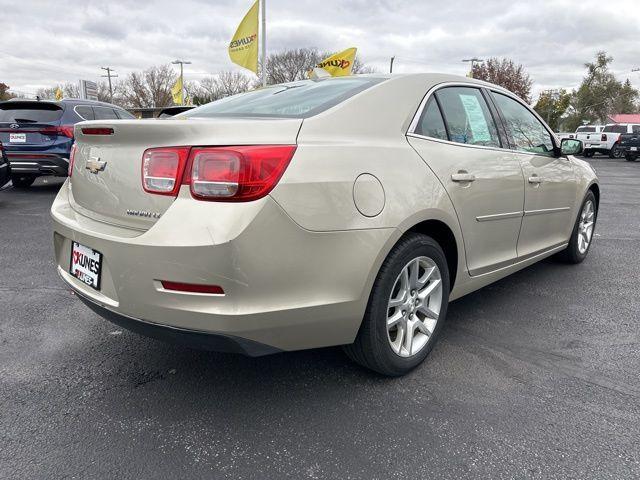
[{"x": 46, "y": 42}]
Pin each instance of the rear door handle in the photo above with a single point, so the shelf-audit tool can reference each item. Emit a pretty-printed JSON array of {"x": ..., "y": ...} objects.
[
  {"x": 463, "y": 177},
  {"x": 535, "y": 179}
]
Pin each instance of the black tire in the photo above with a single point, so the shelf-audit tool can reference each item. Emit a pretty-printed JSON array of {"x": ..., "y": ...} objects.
[
  {"x": 372, "y": 348},
  {"x": 616, "y": 152},
  {"x": 630, "y": 158},
  {"x": 588, "y": 153},
  {"x": 22, "y": 181},
  {"x": 572, "y": 254}
]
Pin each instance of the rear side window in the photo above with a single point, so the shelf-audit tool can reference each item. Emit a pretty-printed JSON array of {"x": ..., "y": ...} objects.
[
  {"x": 105, "y": 113},
  {"x": 467, "y": 116},
  {"x": 30, "y": 112},
  {"x": 615, "y": 129},
  {"x": 291, "y": 100},
  {"x": 527, "y": 133},
  {"x": 124, "y": 114},
  {"x": 431, "y": 123},
  {"x": 85, "y": 112}
]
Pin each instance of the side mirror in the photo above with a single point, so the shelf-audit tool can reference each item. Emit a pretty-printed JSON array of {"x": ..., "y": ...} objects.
[{"x": 570, "y": 146}]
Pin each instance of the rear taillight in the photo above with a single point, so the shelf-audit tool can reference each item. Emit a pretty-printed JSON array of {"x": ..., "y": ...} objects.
[
  {"x": 63, "y": 130},
  {"x": 162, "y": 169},
  {"x": 223, "y": 174},
  {"x": 603, "y": 138},
  {"x": 237, "y": 174},
  {"x": 72, "y": 159}
]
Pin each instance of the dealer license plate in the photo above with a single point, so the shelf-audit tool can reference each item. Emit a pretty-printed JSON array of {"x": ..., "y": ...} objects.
[
  {"x": 633, "y": 149},
  {"x": 17, "y": 138},
  {"x": 86, "y": 264}
]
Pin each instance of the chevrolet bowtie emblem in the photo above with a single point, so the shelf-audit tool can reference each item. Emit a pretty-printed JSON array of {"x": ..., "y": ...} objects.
[{"x": 95, "y": 165}]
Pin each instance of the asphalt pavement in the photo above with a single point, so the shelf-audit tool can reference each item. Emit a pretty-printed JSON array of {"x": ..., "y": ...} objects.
[{"x": 536, "y": 376}]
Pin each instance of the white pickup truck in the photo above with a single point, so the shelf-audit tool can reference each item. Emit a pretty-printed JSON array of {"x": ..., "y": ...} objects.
[
  {"x": 607, "y": 141},
  {"x": 589, "y": 134}
]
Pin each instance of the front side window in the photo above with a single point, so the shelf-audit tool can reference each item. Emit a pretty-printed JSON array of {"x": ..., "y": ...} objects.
[
  {"x": 527, "y": 132},
  {"x": 431, "y": 123},
  {"x": 467, "y": 116},
  {"x": 615, "y": 129}
]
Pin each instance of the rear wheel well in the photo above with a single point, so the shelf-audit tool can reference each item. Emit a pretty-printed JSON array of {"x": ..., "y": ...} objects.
[
  {"x": 442, "y": 234},
  {"x": 596, "y": 192}
]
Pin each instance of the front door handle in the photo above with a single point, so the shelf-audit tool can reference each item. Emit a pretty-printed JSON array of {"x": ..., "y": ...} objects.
[
  {"x": 535, "y": 179},
  {"x": 463, "y": 177}
]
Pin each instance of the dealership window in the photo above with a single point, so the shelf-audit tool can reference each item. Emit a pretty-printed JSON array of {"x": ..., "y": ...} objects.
[
  {"x": 431, "y": 123},
  {"x": 527, "y": 132},
  {"x": 467, "y": 116}
]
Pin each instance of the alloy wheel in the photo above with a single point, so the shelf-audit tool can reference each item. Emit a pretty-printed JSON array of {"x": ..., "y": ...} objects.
[
  {"x": 414, "y": 306},
  {"x": 585, "y": 227}
]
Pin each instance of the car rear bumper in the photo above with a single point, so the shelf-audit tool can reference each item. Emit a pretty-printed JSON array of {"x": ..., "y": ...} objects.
[
  {"x": 285, "y": 287},
  {"x": 181, "y": 336},
  {"x": 33, "y": 163}
]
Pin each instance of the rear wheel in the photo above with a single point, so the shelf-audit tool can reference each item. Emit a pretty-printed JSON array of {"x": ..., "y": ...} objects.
[
  {"x": 22, "y": 181},
  {"x": 582, "y": 235},
  {"x": 630, "y": 158},
  {"x": 616, "y": 152},
  {"x": 406, "y": 310},
  {"x": 588, "y": 153}
]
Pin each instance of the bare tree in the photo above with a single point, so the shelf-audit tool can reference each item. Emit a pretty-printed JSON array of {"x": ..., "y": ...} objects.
[
  {"x": 69, "y": 90},
  {"x": 507, "y": 74},
  {"x": 219, "y": 86},
  {"x": 149, "y": 88},
  {"x": 292, "y": 65}
]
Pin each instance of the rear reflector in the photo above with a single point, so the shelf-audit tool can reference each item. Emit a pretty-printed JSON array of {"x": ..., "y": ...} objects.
[
  {"x": 97, "y": 131},
  {"x": 192, "y": 288},
  {"x": 161, "y": 169}
]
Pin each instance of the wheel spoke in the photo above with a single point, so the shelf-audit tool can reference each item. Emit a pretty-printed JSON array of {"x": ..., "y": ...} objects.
[
  {"x": 394, "y": 319},
  {"x": 426, "y": 329},
  {"x": 414, "y": 268},
  {"x": 408, "y": 338},
  {"x": 424, "y": 294},
  {"x": 427, "y": 311}
]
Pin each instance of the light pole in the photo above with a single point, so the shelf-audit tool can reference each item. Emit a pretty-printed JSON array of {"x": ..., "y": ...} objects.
[
  {"x": 391, "y": 64},
  {"x": 473, "y": 62},
  {"x": 181, "y": 63}
]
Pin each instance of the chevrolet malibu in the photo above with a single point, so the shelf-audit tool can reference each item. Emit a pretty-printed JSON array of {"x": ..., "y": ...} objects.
[{"x": 340, "y": 211}]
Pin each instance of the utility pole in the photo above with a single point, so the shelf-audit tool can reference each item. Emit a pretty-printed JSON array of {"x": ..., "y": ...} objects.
[
  {"x": 473, "y": 62},
  {"x": 263, "y": 53},
  {"x": 181, "y": 63},
  {"x": 391, "y": 64},
  {"x": 109, "y": 75}
]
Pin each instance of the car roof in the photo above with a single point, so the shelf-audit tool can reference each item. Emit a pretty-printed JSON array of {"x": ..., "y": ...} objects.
[{"x": 65, "y": 101}]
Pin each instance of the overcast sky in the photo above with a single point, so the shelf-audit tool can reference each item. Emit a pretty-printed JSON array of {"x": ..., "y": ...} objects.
[{"x": 47, "y": 42}]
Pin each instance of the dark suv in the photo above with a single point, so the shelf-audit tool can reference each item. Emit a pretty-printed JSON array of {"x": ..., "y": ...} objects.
[{"x": 37, "y": 135}]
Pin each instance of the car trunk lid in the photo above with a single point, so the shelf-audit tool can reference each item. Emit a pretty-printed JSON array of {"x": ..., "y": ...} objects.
[{"x": 107, "y": 185}]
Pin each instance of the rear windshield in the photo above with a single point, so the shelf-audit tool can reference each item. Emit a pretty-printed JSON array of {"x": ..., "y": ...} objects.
[
  {"x": 615, "y": 128},
  {"x": 586, "y": 129},
  {"x": 290, "y": 100},
  {"x": 30, "y": 112}
]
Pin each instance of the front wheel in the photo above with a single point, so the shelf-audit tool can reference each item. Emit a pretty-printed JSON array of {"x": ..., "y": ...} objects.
[
  {"x": 630, "y": 158},
  {"x": 22, "y": 181},
  {"x": 582, "y": 235},
  {"x": 406, "y": 309}
]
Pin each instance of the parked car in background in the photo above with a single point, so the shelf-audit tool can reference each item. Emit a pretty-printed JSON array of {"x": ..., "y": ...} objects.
[
  {"x": 38, "y": 135},
  {"x": 338, "y": 211},
  {"x": 588, "y": 135},
  {"x": 630, "y": 144},
  {"x": 562, "y": 135},
  {"x": 5, "y": 168},
  {"x": 609, "y": 140}
]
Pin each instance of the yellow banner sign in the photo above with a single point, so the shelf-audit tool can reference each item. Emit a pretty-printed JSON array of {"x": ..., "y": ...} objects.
[{"x": 243, "y": 48}]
